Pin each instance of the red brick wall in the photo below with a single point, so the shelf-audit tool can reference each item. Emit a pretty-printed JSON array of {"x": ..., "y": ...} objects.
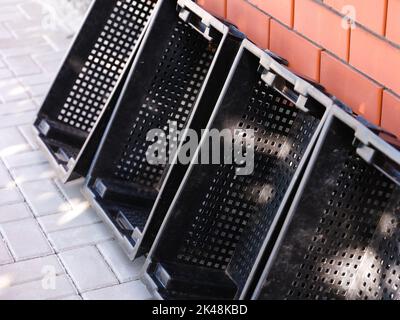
[{"x": 359, "y": 61}]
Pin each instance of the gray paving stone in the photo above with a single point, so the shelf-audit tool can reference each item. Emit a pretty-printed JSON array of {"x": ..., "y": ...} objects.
[
  {"x": 12, "y": 142},
  {"x": 22, "y": 65},
  {"x": 88, "y": 269},
  {"x": 41, "y": 78},
  {"x": 74, "y": 218},
  {"x": 5, "y": 178},
  {"x": 17, "y": 107},
  {"x": 10, "y": 196},
  {"x": 39, "y": 90},
  {"x": 128, "y": 291},
  {"x": 6, "y": 74},
  {"x": 33, "y": 173},
  {"x": 14, "y": 212},
  {"x": 79, "y": 237},
  {"x": 5, "y": 256},
  {"x": 12, "y": 90},
  {"x": 72, "y": 191},
  {"x": 17, "y": 119},
  {"x": 25, "y": 239},
  {"x": 25, "y": 159},
  {"x": 38, "y": 290},
  {"x": 125, "y": 269},
  {"x": 27, "y": 132},
  {"x": 4, "y": 32},
  {"x": 31, "y": 270},
  {"x": 44, "y": 198}
]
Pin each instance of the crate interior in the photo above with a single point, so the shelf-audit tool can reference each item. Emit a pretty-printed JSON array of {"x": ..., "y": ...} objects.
[
  {"x": 343, "y": 241},
  {"x": 164, "y": 88},
  {"x": 90, "y": 74},
  {"x": 220, "y": 219}
]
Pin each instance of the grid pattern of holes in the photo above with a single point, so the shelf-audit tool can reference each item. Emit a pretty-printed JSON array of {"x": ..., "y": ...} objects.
[
  {"x": 230, "y": 201},
  {"x": 339, "y": 243},
  {"x": 105, "y": 63},
  {"x": 277, "y": 183},
  {"x": 171, "y": 98},
  {"x": 379, "y": 275}
]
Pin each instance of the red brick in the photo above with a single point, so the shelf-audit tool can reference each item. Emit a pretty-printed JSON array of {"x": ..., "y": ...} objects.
[
  {"x": 376, "y": 58},
  {"x": 282, "y": 10},
  {"x": 393, "y": 21},
  {"x": 216, "y": 7},
  {"x": 250, "y": 20},
  {"x": 391, "y": 113},
  {"x": 360, "y": 93},
  {"x": 369, "y": 13},
  {"x": 303, "y": 56},
  {"x": 322, "y": 26}
]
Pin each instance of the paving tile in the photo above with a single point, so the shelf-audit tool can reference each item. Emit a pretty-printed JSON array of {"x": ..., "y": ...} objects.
[
  {"x": 88, "y": 269},
  {"x": 6, "y": 74},
  {"x": 17, "y": 107},
  {"x": 12, "y": 142},
  {"x": 41, "y": 78},
  {"x": 4, "y": 32},
  {"x": 128, "y": 291},
  {"x": 12, "y": 90},
  {"x": 25, "y": 159},
  {"x": 5, "y": 256},
  {"x": 72, "y": 191},
  {"x": 17, "y": 119},
  {"x": 25, "y": 239},
  {"x": 13, "y": 212},
  {"x": 74, "y": 218},
  {"x": 39, "y": 290},
  {"x": 39, "y": 48},
  {"x": 30, "y": 270},
  {"x": 9, "y": 196},
  {"x": 22, "y": 65},
  {"x": 26, "y": 42},
  {"x": 33, "y": 173},
  {"x": 29, "y": 135},
  {"x": 78, "y": 237},
  {"x": 125, "y": 269},
  {"x": 44, "y": 198},
  {"x": 38, "y": 90},
  {"x": 5, "y": 178}
]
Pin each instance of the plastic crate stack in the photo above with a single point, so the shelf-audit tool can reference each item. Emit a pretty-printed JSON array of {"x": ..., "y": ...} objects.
[{"x": 316, "y": 214}]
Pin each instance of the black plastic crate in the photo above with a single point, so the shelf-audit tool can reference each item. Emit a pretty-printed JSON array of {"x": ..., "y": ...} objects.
[
  {"x": 80, "y": 102},
  {"x": 177, "y": 75},
  {"x": 341, "y": 237},
  {"x": 215, "y": 228}
]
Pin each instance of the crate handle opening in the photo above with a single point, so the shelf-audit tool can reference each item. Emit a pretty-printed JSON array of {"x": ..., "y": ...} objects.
[
  {"x": 195, "y": 22},
  {"x": 377, "y": 159},
  {"x": 285, "y": 88}
]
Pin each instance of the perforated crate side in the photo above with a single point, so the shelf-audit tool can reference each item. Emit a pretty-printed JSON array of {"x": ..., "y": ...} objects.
[
  {"x": 177, "y": 77},
  {"x": 92, "y": 72},
  {"x": 341, "y": 238},
  {"x": 222, "y": 219}
]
